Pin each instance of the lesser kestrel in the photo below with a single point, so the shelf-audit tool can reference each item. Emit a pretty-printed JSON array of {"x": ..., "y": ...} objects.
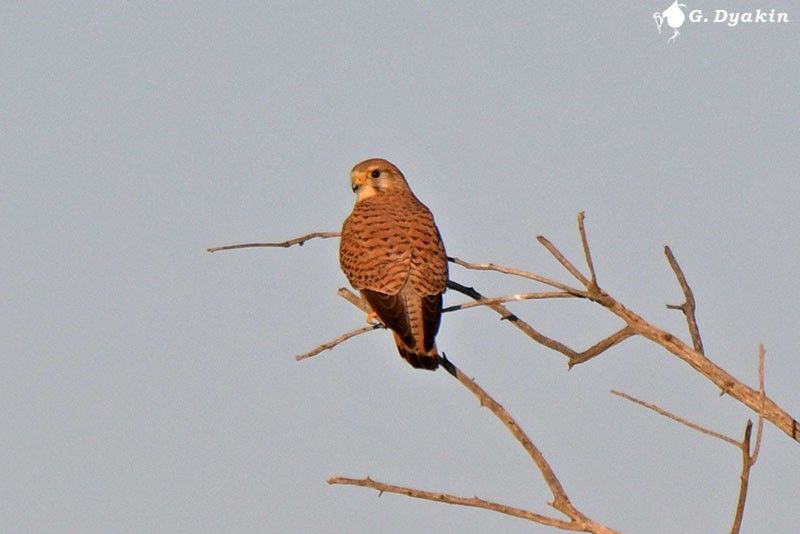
[{"x": 392, "y": 252}]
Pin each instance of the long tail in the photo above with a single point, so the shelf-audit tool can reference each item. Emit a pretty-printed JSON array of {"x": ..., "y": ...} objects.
[{"x": 418, "y": 359}]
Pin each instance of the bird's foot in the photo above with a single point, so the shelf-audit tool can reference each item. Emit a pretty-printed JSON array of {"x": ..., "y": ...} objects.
[{"x": 372, "y": 318}]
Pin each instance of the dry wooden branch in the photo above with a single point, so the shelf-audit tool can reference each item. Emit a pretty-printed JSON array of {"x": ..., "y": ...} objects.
[
  {"x": 353, "y": 299},
  {"x": 689, "y": 306},
  {"x": 674, "y": 417},
  {"x": 748, "y": 460},
  {"x": 724, "y": 380},
  {"x": 542, "y": 295},
  {"x": 517, "y": 272},
  {"x": 493, "y": 303},
  {"x": 285, "y": 244},
  {"x": 743, "y": 446},
  {"x": 756, "y": 401},
  {"x": 601, "y": 346},
  {"x": 512, "y": 318},
  {"x": 578, "y": 522},
  {"x": 341, "y": 339},
  {"x": 761, "y": 356},
  {"x": 586, "y": 252},
  {"x": 564, "y": 261},
  {"x": 473, "y": 502},
  {"x": 561, "y": 502},
  {"x": 574, "y": 357},
  {"x": 744, "y": 479},
  {"x": 635, "y": 325}
]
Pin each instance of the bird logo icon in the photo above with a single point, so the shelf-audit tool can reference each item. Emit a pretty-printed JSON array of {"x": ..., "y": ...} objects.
[{"x": 674, "y": 16}]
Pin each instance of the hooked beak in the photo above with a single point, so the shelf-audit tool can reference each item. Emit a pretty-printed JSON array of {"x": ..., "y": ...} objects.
[{"x": 357, "y": 181}]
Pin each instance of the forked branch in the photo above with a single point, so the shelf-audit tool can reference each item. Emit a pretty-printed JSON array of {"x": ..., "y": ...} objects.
[
  {"x": 689, "y": 306},
  {"x": 578, "y": 522},
  {"x": 473, "y": 502},
  {"x": 748, "y": 459},
  {"x": 636, "y": 325}
]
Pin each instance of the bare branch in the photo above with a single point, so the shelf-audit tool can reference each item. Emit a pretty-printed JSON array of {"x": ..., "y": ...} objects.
[
  {"x": 574, "y": 357},
  {"x": 341, "y": 339},
  {"x": 511, "y": 298},
  {"x": 689, "y": 306},
  {"x": 760, "y": 430},
  {"x": 578, "y": 521},
  {"x": 743, "y": 446},
  {"x": 507, "y": 315},
  {"x": 560, "y": 501},
  {"x": 601, "y": 346},
  {"x": 517, "y": 272},
  {"x": 674, "y": 417},
  {"x": 285, "y": 244},
  {"x": 563, "y": 260},
  {"x": 756, "y": 401},
  {"x": 353, "y": 299},
  {"x": 358, "y": 303},
  {"x": 636, "y": 325},
  {"x": 559, "y": 495},
  {"x": 724, "y": 380},
  {"x": 586, "y": 252},
  {"x": 747, "y": 463},
  {"x": 473, "y": 502},
  {"x": 749, "y": 460}
]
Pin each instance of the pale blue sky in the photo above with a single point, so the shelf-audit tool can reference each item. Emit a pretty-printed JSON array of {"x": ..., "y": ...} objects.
[{"x": 148, "y": 386}]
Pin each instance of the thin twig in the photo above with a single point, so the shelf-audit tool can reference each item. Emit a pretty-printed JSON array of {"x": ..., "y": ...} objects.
[
  {"x": 586, "y": 252},
  {"x": 727, "y": 383},
  {"x": 749, "y": 460},
  {"x": 747, "y": 463},
  {"x": 510, "y": 298},
  {"x": 563, "y": 260},
  {"x": 353, "y": 299},
  {"x": 756, "y": 401},
  {"x": 760, "y": 429},
  {"x": 508, "y": 315},
  {"x": 689, "y": 306},
  {"x": 285, "y": 244},
  {"x": 743, "y": 446},
  {"x": 674, "y": 417},
  {"x": 341, "y": 339},
  {"x": 601, "y": 346},
  {"x": 517, "y": 272},
  {"x": 573, "y": 356},
  {"x": 561, "y": 501},
  {"x": 578, "y": 521},
  {"x": 473, "y": 502},
  {"x": 495, "y": 304}
]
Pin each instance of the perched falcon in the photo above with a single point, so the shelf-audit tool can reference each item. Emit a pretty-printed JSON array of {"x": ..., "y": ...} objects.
[{"x": 392, "y": 252}]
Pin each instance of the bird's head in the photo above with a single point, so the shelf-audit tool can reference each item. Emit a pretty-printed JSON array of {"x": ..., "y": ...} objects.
[{"x": 376, "y": 176}]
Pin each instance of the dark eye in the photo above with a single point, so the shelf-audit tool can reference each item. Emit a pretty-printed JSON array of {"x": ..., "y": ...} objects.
[{"x": 375, "y": 174}]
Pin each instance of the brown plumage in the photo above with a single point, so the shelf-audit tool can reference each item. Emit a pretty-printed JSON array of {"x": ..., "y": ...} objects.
[{"x": 392, "y": 252}]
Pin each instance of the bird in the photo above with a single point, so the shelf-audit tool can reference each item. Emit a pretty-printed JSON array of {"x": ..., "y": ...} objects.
[{"x": 391, "y": 251}]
